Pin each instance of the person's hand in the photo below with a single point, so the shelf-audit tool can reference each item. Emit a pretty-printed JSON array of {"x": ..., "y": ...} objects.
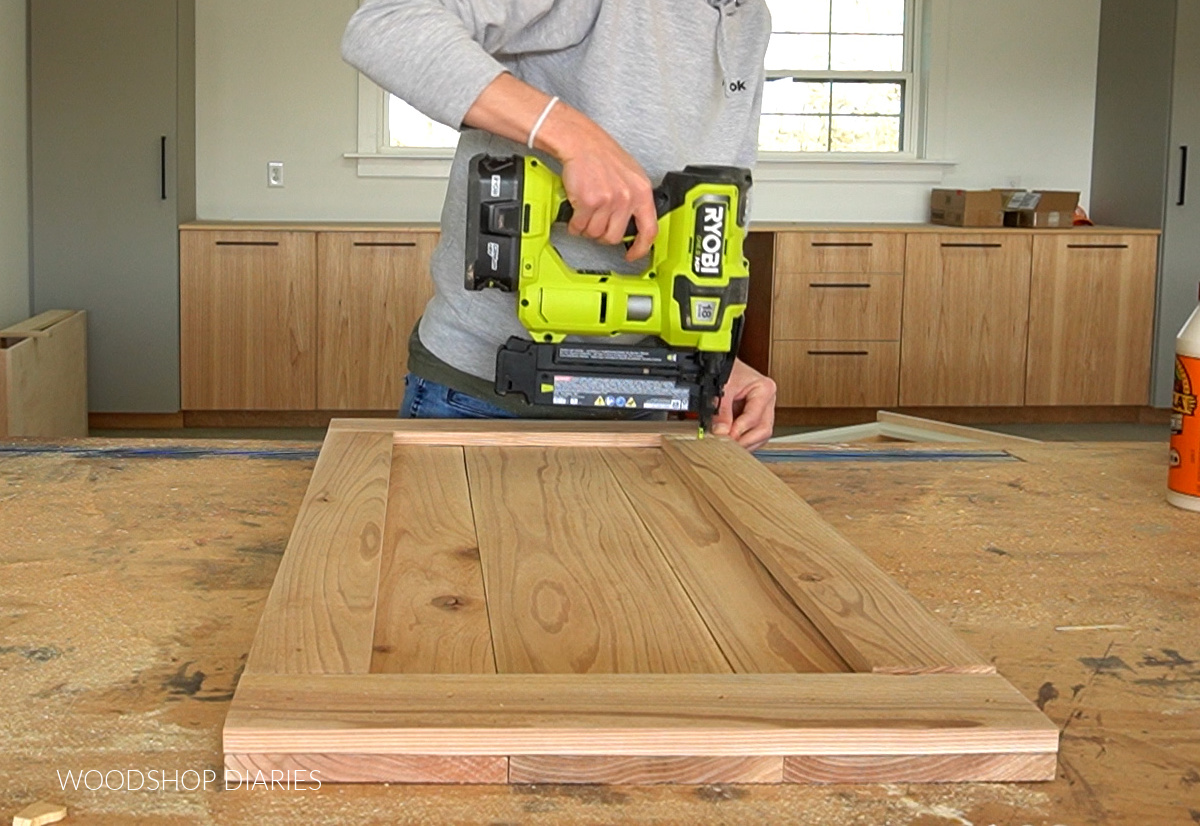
[{"x": 747, "y": 411}]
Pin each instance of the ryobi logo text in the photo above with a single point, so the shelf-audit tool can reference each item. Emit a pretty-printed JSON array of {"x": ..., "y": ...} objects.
[{"x": 710, "y": 239}]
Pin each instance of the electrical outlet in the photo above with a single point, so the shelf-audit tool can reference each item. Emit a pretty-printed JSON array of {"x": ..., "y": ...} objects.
[{"x": 275, "y": 173}]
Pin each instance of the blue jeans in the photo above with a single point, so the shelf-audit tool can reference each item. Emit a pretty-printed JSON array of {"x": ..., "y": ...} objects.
[{"x": 424, "y": 399}]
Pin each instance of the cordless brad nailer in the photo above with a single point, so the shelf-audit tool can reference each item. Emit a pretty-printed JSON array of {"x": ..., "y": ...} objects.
[{"x": 692, "y": 296}]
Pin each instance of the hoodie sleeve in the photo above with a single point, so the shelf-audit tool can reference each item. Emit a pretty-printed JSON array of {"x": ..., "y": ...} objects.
[{"x": 439, "y": 55}]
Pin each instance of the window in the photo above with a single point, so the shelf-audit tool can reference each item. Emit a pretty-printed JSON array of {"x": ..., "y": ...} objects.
[{"x": 839, "y": 79}]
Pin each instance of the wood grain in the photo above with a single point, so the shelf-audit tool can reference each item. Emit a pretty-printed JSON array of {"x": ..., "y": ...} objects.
[
  {"x": 837, "y": 373},
  {"x": 432, "y": 616},
  {"x": 756, "y": 624},
  {"x": 320, "y": 614},
  {"x": 575, "y": 583},
  {"x": 838, "y": 306},
  {"x": 1091, "y": 320},
  {"x": 872, "y": 622},
  {"x": 309, "y": 769},
  {"x": 248, "y": 320},
  {"x": 966, "y": 320},
  {"x": 941, "y": 768},
  {"x": 521, "y": 433},
  {"x": 644, "y": 771},
  {"x": 840, "y": 252},
  {"x": 373, "y": 289},
  {"x": 635, "y": 715},
  {"x": 43, "y": 379}
]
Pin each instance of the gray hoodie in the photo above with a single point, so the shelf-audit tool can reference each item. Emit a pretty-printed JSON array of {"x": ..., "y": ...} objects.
[{"x": 675, "y": 82}]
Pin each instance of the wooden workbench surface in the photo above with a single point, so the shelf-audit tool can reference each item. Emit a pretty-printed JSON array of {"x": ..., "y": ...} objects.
[{"x": 130, "y": 587}]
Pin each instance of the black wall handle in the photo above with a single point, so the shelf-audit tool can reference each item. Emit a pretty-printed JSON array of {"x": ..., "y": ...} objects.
[
  {"x": 1183, "y": 160},
  {"x": 162, "y": 165}
]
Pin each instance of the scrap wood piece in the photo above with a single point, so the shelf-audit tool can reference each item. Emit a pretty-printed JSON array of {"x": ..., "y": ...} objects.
[
  {"x": 873, "y": 623},
  {"x": 39, "y": 814}
]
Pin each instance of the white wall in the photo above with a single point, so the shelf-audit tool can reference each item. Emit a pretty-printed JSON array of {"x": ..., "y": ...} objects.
[
  {"x": 1011, "y": 100},
  {"x": 14, "y": 167}
]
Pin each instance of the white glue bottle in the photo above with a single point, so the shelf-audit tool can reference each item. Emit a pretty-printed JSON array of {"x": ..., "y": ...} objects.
[{"x": 1183, "y": 482}]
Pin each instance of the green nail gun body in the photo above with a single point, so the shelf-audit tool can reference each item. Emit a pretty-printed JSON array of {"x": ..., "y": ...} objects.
[{"x": 692, "y": 297}]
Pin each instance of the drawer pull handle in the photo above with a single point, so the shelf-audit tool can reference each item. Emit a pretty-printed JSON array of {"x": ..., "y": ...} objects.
[
  {"x": 963, "y": 246},
  {"x": 247, "y": 243},
  {"x": 839, "y": 352},
  {"x": 845, "y": 286},
  {"x": 844, "y": 244},
  {"x": 1097, "y": 246},
  {"x": 385, "y": 243}
]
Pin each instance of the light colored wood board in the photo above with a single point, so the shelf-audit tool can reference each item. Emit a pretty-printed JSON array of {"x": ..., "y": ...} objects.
[
  {"x": 874, "y": 624},
  {"x": 43, "y": 380},
  {"x": 966, "y": 319},
  {"x": 1091, "y": 320},
  {"x": 836, "y": 373},
  {"x": 838, "y": 306},
  {"x": 942, "y": 768},
  {"x": 432, "y": 616},
  {"x": 40, "y": 814},
  {"x": 244, "y": 769},
  {"x": 756, "y": 624},
  {"x": 840, "y": 252},
  {"x": 631, "y": 715},
  {"x": 373, "y": 289},
  {"x": 574, "y": 582},
  {"x": 320, "y": 614},
  {"x": 248, "y": 330},
  {"x": 38, "y": 325},
  {"x": 522, "y": 433},
  {"x": 952, "y": 432},
  {"x": 645, "y": 771}
]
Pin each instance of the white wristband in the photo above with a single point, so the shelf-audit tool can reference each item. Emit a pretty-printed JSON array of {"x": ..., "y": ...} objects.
[{"x": 533, "y": 132}]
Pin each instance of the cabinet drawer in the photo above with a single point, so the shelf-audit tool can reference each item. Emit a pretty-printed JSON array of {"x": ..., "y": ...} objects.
[
  {"x": 844, "y": 252},
  {"x": 836, "y": 374},
  {"x": 838, "y": 307}
]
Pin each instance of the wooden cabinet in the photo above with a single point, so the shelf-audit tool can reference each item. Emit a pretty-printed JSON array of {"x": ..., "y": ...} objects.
[
  {"x": 1091, "y": 320},
  {"x": 372, "y": 289},
  {"x": 248, "y": 320},
  {"x": 835, "y": 320},
  {"x": 966, "y": 320}
]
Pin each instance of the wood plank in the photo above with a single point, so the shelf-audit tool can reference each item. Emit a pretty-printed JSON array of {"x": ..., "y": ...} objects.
[
  {"x": 43, "y": 380},
  {"x": 954, "y": 432},
  {"x": 941, "y": 768},
  {"x": 38, "y": 325},
  {"x": 522, "y": 433},
  {"x": 872, "y": 622},
  {"x": 644, "y": 771},
  {"x": 574, "y": 582},
  {"x": 759, "y": 628},
  {"x": 320, "y": 614},
  {"x": 432, "y": 616},
  {"x": 630, "y": 715},
  {"x": 242, "y": 770}
]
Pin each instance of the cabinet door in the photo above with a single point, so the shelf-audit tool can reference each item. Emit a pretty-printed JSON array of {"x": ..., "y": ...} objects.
[
  {"x": 966, "y": 320},
  {"x": 373, "y": 289},
  {"x": 836, "y": 374},
  {"x": 1091, "y": 319},
  {"x": 248, "y": 316}
]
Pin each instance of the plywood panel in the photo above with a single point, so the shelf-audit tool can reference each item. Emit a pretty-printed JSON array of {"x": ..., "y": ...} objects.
[
  {"x": 373, "y": 289},
  {"x": 320, "y": 614},
  {"x": 43, "y": 376},
  {"x": 432, "y": 616},
  {"x": 1091, "y": 320},
  {"x": 575, "y": 583}
]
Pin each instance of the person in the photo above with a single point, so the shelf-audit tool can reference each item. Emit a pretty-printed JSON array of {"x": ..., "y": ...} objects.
[{"x": 615, "y": 93}]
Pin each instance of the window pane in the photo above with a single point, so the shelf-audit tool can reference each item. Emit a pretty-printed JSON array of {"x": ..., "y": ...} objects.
[
  {"x": 797, "y": 52},
  {"x": 851, "y": 133},
  {"x": 793, "y": 133},
  {"x": 868, "y": 16},
  {"x": 869, "y": 52},
  {"x": 787, "y": 96},
  {"x": 867, "y": 98},
  {"x": 408, "y": 128},
  {"x": 799, "y": 15}
]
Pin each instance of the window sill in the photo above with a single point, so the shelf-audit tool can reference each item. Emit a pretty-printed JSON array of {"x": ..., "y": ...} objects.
[{"x": 434, "y": 164}]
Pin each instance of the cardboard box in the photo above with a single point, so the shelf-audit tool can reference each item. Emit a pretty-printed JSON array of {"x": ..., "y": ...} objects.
[
  {"x": 1043, "y": 209},
  {"x": 967, "y": 208}
]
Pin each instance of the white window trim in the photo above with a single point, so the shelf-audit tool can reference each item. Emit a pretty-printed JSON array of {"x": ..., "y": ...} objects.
[{"x": 375, "y": 160}]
